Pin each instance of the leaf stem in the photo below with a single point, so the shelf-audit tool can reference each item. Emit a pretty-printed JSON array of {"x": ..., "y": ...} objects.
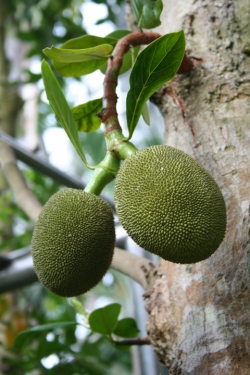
[{"x": 136, "y": 341}]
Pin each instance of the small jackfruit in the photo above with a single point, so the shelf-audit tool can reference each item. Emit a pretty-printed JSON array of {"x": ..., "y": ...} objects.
[
  {"x": 73, "y": 242},
  {"x": 169, "y": 205}
]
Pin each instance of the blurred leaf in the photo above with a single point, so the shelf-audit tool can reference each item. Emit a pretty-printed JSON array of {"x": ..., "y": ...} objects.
[
  {"x": 88, "y": 41},
  {"x": 104, "y": 320},
  {"x": 61, "y": 108},
  {"x": 91, "y": 349},
  {"x": 85, "y": 67},
  {"x": 126, "y": 328},
  {"x": 145, "y": 114},
  {"x": 147, "y": 13},
  {"x": 127, "y": 58},
  {"x": 41, "y": 185},
  {"x": 32, "y": 77},
  {"x": 85, "y": 115},
  {"x": 122, "y": 348},
  {"x": 154, "y": 66},
  {"x": 22, "y": 336},
  {"x": 78, "y": 307},
  {"x": 78, "y": 55}
]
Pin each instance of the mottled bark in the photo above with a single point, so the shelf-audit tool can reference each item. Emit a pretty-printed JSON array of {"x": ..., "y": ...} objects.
[{"x": 199, "y": 314}]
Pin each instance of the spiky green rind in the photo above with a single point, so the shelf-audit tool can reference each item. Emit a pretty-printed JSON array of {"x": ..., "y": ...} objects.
[
  {"x": 73, "y": 242},
  {"x": 170, "y": 205}
]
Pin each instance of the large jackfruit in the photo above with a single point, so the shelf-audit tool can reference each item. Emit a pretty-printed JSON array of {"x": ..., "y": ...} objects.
[
  {"x": 73, "y": 242},
  {"x": 170, "y": 205}
]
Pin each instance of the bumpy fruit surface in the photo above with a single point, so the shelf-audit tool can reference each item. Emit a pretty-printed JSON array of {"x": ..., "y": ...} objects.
[
  {"x": 73, "y": 242},
  {"x": 170, "y": 205}
]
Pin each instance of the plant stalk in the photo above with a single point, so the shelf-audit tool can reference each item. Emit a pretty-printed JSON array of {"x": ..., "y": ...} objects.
[
  {"x": 109, "y": 116},
  {"x": 104, "y": 173},
  {"x": 134, "y": 341}
]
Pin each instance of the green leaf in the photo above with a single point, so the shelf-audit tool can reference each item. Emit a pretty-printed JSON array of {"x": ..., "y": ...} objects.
[
  {"x": 126, "y": 328},
  {"x": 127, "y": 58},
  {"x": 147, "y": 13},
  {"x": 78, "y": 307},
  {"x": 61, "y": 108},
  {"x": 104, "y": 320},
  {"x": 75, "y": 69},
  {"x": 145, "y": 114},
  {"x": 88, "y": 41},
  {"x": 154, "y": 66},
  {"x": 78, "y": 55},
  {"x": 85, "y": 115},
  {"x": 122, "y": 348},
  {"x": 23, "y": 336}
]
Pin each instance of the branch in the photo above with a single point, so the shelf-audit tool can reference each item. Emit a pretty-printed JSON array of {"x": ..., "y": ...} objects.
[
  {"x": 132, "y": 265},
  {"x": 11, "y": 103},
  {"x": 137, "y": 341},
  {"x": 108, "y": 114},
  {"x": 25, "y": 199}
]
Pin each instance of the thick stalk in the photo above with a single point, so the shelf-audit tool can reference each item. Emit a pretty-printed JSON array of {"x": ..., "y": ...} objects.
[{"x": 104, "y": 173}]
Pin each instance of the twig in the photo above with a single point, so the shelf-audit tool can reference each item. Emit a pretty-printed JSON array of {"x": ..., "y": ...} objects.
[
  {"x": 138, "y": 268},
  {"x": 136, "y": 341},
  {"x": 108, "y": 114}
]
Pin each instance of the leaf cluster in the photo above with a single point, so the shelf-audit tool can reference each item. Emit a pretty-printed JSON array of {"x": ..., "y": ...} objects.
[
  {"x": 153, "y": 67},
  {"x": 53, "y": 332},
  {"x": 36, "y": 23},
  {"x": 103, "y": 321}
]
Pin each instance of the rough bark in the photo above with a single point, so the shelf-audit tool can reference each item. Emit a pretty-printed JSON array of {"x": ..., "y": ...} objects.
[{"x": 199, "y": 314}]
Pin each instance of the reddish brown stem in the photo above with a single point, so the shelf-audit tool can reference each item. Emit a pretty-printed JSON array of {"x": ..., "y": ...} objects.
[
  {"x": 108, "y": 114},
  {"x": 137, "y": 341},
  {"x": 186, "y": 65}
]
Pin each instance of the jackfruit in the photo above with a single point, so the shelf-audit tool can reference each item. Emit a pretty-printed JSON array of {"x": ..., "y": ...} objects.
[
  {"x": 169, "y": 205},
  {"x": 73, "y": 242}
]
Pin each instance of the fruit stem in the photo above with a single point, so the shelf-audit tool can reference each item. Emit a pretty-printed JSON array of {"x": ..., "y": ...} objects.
[
  {"x": 117, "y": 144},
  {"x": 125, "y": 149},
  {"x": 104, "y": 173}
]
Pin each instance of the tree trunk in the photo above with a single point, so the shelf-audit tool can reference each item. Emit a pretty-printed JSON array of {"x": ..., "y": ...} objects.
[{"x": 199, "y": 314}]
